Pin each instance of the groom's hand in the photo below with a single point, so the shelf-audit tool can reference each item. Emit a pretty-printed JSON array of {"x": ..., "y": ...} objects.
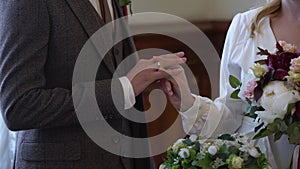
[{"x": 148, "y": 71}]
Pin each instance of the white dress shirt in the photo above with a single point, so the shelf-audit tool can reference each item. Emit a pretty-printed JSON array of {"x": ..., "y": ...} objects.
[
  {"x": 225, "y": 115},
  {"x": 129, "y": 97}
]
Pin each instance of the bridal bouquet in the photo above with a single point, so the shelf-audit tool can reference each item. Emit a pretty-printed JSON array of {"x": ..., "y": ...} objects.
[
  {"x": 225, "y": 152},
  {"x": 271, "y": 88}
]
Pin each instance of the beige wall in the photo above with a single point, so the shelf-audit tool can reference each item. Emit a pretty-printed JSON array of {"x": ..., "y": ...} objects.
[{"x": 195, "y": 10}]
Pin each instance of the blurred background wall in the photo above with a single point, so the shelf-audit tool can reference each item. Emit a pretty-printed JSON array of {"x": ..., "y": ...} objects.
[{"x": 196, "y": 10}]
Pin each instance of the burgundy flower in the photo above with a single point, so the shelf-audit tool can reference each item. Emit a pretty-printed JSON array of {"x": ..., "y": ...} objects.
[
  {"x": 283, "y": 60},
  {"x": 279, "y": 74},
  {"x": 280, "y": 63}
]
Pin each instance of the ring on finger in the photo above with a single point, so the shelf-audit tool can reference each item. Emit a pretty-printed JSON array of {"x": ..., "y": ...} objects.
[{"x": 158, "y": 64}]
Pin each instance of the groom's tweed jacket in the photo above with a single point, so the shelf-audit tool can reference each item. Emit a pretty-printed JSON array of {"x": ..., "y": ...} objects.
[{"x": 39, "y": 43}]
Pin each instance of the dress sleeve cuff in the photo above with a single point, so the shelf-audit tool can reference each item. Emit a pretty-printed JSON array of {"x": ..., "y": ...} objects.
[
  {"x": 190, "y": 117},
  {"x": 129, "y": 97}
]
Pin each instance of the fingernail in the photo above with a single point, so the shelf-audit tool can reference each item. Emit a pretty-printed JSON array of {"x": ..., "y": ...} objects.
[
  {"x": 180, "y": 53},
  {"x": 183, "y": 59}
]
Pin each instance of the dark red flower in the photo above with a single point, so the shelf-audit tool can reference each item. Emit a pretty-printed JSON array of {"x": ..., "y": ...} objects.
[
  {"x": 280, "y": 63},
  {"x": 279, "y": 74}
]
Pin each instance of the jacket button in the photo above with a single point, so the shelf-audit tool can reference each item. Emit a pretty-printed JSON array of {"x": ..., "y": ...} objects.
[{"x": 116, "y": 140}]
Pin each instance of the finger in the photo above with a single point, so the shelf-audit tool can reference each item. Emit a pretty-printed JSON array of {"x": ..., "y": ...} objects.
[
  {"x": 172, "y": 55},
  {"x": 167, "y": 73},
  {"x": 163, "y": 87},
  {"x": 166, "y": 86},
  {"x": 180, "y": 54},
  {"x": 166, "y": 63},
  {"x": 174, "y": 71}
]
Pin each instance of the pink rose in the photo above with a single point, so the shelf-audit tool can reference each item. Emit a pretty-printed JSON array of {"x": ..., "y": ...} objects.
[
  {"x": 249, "y": 92},
  {"x": 288, "y": 47}
]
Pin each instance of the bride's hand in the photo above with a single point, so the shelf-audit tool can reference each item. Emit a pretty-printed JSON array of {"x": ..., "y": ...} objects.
[
  {"x": 177, "y": 90},
  {"x": 147, "y": 71}
]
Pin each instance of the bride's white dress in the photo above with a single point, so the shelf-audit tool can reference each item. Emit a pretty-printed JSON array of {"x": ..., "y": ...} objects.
[
  {"x": 7, "y": 146},
  {"x": 224, "y": 115}
]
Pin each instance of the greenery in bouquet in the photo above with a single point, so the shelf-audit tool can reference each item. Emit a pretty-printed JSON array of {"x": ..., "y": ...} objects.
[
  {"x": 271, "y": 89},
  {"x": 225, "y": 152}
]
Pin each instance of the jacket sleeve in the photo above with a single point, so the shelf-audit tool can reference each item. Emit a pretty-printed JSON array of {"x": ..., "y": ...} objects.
[{"x": 25, "y": 101}]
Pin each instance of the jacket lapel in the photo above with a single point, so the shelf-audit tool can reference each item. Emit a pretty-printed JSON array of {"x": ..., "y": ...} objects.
[
  {"x": 84, "y": 11},
  {"x": 91, "y": 22}
]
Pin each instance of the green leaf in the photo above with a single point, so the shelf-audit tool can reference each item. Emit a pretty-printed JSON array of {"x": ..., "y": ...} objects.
[
  {"x": 204, "y": 163},
  {"x": 282, "y": 126},
  {"x": 233, "y": 150},
  {"x": 277, "y": 136},
  {"x": 234, "y": 82},
  {"x": 263, "y": 133},
  {"x": 290, "y": 107},
  {"x": 186, "y": 163},
  {"x": 192, "y": 153},
  {"x": 251, "y": 111},
  {"x": 262, "y": 161},
  {"x": 192, "y": 167},
  {"x": 197, "y": 145},
  {"x": 226, "y": 137},
  {"x": 271, "y": 128},
  {"x": 223, "y": 149},
  {"x": 124, "y": 2},
  {"x": 200, "y": 156},
  {"x": 293, "y": 132},
  {"x": 187, "y": 142},
  {"x": 235, "y": 94},
  {"x": 249, "y": 101},
  {"x": 175, "y": 167}
]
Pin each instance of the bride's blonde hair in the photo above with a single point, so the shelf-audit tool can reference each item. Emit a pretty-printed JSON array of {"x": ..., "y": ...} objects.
[{"x": 269, "y": 10}]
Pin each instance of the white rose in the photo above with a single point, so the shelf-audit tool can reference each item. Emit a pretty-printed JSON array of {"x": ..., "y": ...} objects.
[
  {"x": 177, "y": 144},
  {"x": 193, "y": 137},
  {"x": 184, "y": 153},
  {"x": 213, "y": 150},
  {"x": 253, "y": 152},
  {"x": 237, "y": 162},
  {"x": 275, "y": 100}
]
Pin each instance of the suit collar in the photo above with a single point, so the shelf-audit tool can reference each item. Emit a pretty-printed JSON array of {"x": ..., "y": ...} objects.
[{"x": 84, "y": 11}]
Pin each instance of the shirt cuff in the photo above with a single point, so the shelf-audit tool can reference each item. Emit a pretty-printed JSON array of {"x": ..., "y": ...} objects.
[{"x": 129, "y": 97}]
